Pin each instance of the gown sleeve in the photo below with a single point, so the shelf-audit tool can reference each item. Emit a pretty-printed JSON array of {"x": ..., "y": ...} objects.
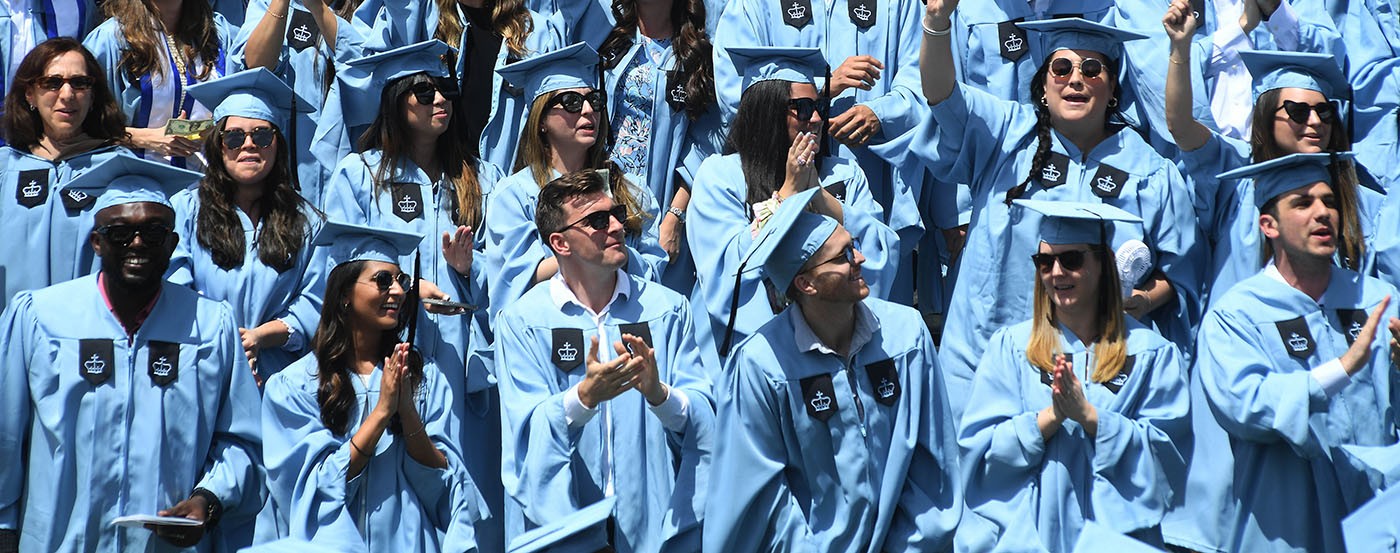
[
  {"x": 18, "y": 331},
  {"x": 513, "y": 242},
  {"x": 718, "y": 206},
  {"x": 234, "y": 470}
]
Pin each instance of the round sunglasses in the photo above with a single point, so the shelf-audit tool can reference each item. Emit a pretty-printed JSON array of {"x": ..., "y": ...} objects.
[
  {"x": 234, "y": 139},
  {"x": 1298, "y": 111},
  {"x": 385, "y": 280},
  {"x": 572, "y": 101},
  {"x": 1071, "y": 260},
  {"x": 1090, "y": 68}
]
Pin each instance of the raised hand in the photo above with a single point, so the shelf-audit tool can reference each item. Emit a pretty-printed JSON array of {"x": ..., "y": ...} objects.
[
  {"x": 1180, "y": 21},
  {"x": 457, "y": 249},
  {"x": 800, "y": 168},
  {"x": 1359, "y": 353},
  {"x": 392, "y": 381},
  {"x": 648, "y": 379},
  {"x": 856, "y": 72},
  {"x": 604, "y": 381}
]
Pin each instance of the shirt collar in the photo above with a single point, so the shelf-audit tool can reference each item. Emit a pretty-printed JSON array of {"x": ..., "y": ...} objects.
[
  {"x": 561, "y": 294},
  {"x": 138, "y": 319},
  {"x": 807, "y": 340}
]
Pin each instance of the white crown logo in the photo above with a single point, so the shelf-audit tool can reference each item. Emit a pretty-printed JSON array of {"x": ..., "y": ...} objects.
[
  {"x": 1355, "y": 330},
  {"x": 862, "y": 13},
  {"x": 302, "y": 33},
  {"x": 1050, "y": 172},
  {"x": 1106, "y": 184},
  {"x": 568, "y": 353},
  {"x": 821, "y": 401},
  {"x": 32, "y": 189},
  {"x": 678, "y": 94},
  {"x": 1298, "y": 343},
  {"x": 162, "y": 367},
  {"x": 1014, "y": 43},
  {"x": 407, "y": 204},
  {"x": 886, "y": 389},
  {"x": 797, "y": 11},
  {"x": 95, "y": 365},
  {"x": 1119, "y": 380},
  {"x": 77, "y": 195}
]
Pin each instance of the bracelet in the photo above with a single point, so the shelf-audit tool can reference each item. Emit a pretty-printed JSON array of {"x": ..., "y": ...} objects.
[
  {"x": 274, "y": 14},
  {"x": 1176, "y": 61},
  {"x": 357, "y": 447},
  {"x": 930, "y": 32},
  {"x": 420, "y": 430},
  {"x": 678, "y": 212}
]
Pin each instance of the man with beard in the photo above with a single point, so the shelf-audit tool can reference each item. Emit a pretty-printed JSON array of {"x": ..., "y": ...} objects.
[
  {"x": 834, "y": 427},
  {"x": 122, "y": 394}
]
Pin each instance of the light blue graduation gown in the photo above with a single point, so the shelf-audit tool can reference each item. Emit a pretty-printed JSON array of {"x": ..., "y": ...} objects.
[
  {"x": 989, "y": 143},
  {"x": 878, "y": 474},
  {"x": 256, "y": 292},
  {"x": 720, "y": 215},
  {"x": 395, "y": 504},
  {"x": 48, "y": 242},
  {"x": 983, "y": 34},
  {"x": 1040, "y": 493},
  {"x": 79, "y": 454},
  {"x": 551, "y": 470},
  {"x": 1257, "y": 346}
]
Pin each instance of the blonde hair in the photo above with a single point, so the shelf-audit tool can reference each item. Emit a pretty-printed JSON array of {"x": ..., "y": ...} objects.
[
  {"x": 1111, "y": 350},
  {"x": 509, "y": 17}
]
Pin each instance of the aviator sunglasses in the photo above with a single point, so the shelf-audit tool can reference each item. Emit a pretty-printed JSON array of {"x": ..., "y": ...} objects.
[
  {"x": 572, "y": 101},
  {"x": 55, "y": 82},
  {"x": 599, "y": 220},
  {"x": 234, "y": 139},
  {"x": 122, "y": 235},
  {"x": 385, "y": 280},
  {"x": 1071, "y": 260},
  {"x": 805, "y": 107},
  {"x": 1090, "y": 67},
  {"x": 1298, "y": 111}
]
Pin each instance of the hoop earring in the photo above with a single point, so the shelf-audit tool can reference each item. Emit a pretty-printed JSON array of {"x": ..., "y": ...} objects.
[
  {"x": 1044, "y": 102},
  {"x": 32, "y": 108},
  {"x": 1112, "y": 103}
]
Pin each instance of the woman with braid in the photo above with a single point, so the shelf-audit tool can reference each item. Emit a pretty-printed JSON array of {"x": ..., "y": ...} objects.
[{"x": 1069, "y": 145}]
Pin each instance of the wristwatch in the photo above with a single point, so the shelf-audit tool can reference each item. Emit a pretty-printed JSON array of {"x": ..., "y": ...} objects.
[
  {"x": 215, "y": 509},
  {"x": 678, "y": 212}
]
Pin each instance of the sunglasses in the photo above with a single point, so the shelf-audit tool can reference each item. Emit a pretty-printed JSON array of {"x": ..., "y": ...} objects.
[
  {"x": 234, "y": 139},
  {"x": 123, "y": 235},
  {"x": 847, "y": 256},
  {"x": 55, "y": 82},
  {"x": 426, "y": 91},
  {"x": 1298, "y": 111},
  {"x": 385, "y": 280},
  {"x": 805, "y": 107},
  {"x": 572, "y": 101},
  {"x": 1071, "y": 260},
  {"x": 599, "y": 220},
  {"x": 1090, "y": 68}
]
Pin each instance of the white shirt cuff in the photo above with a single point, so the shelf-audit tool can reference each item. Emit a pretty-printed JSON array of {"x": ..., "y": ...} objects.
[
  {"x": 295, "y": 340},
  {"x": 1331, "y": 376},
  {"x": 1229, "y": 40},
  {"x": 575, "y": 413},
  {"x": 674, "y": 411},
  {"x": 1283, "y": 24}
]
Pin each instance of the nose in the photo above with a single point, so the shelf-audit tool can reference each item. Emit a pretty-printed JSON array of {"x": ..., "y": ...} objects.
[{"x": 856, "y": 257}]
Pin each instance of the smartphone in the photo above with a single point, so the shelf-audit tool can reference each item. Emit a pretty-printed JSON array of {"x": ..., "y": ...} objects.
[{"x": 450, "y": 304}]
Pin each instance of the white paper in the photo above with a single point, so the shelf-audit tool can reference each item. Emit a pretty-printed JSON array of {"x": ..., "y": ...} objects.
[{"x": 140, "y": 521}]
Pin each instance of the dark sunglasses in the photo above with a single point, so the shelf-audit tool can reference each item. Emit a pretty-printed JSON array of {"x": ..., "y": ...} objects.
[
  {"x": 847, "y": 256},
  {"x": 1071, "y": 260},
  {"x": 55, "y": 82},
  {"x": 385, "y": 280},
  {"x": 1298, "y": 111},
  {"x": 599, "y": 220},
  {"x": 122, "y": 235},
  {"x": 1090, "y": 67},
  {"x": 426, "y": 91},
  {"x": 572, "y": 101},
  {"x": 805, "y": 107},
  {"x": 234, "y": 139}
]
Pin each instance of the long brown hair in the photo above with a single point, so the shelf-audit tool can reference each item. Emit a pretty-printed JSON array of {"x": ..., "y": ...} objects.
[
  {"x": 759, "y": 135},
  {"x": 217, "y": 227},
  {"x": 195, "y": 35},
  {"x": 509, "y": 19},
  {"x": 691, "y": 44},
  {"x": 23, "y": 128},
  {"x": 1111, "y": 350},
  {"x": 390, "y": 134},
  {"x": 534, "y": 152},
  {"x": 1264, "y": 147}
]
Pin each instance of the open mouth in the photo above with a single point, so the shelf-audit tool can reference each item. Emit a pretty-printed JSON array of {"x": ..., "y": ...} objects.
[{"x": 1075, "y": 98}]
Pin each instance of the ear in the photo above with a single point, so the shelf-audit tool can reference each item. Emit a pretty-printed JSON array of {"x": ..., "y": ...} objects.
[
  {"x": 99, "y": 246},
  {"x": 1268, "y": 226},
  {"x": 558, "y": 244},
  {"x": 804, "y": 285}
]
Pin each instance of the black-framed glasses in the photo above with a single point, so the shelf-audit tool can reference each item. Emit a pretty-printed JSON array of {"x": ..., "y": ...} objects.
[
  {"x": 1071, "y": 260},
  {"x": 599, "y": 220},
  {"x": 805, "y": 107},
  {"x": 1091, "y": 67},
  {"x": 123, "y": 235},
  {"x": 385, "y": 279},
  {"x": 847, "y": 256},
  {"x": 1298, "y": 111},
  {"x": 426, "y": 91},
  {"x": 572, "y": 101},
  {"x": 55, "y": 82},
  {"x": 234, "y": 139}
]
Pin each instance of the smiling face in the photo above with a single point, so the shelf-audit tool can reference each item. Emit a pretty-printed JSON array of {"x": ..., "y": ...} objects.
[
  {"x": 1074, "y": 99},
  {"x": 1302, "y": 224},
  {"x": 248, "y": 164},
  {"x": 140, "y": 262},
  {"x": 833, "y": 274},
  {"x": 1309, "y": 137},
  {"x": 370, "y": 304},
  {"x": 570, "y": 132},
  {"x": 1072, "y": 291},
  {"x": 64, "y": 110}
]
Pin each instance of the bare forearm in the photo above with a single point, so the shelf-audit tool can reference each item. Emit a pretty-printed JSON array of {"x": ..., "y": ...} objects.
[
  {"x": 265, "y": 42},
  {"x": 420, "y": 447},
  {"x": 364, "y": 441},
  {"x": 1188, "y": 133}
]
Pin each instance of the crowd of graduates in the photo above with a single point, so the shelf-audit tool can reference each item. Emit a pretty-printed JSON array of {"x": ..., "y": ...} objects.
[{"x": 700, "y": 275}]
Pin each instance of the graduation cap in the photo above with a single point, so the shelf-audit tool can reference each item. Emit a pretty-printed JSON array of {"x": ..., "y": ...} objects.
[
  {"x": 788, "y": 239},
  {"x": 573, "y": 66},
  {"x": 1272, "y": 70},
  {"x": 346, "y": 242},
  {"x": 796, "y": 65},
  {"x": 1374, "y": 526},
  {"x": 1076, "y": 222},
  {"x": 363, "y": 79},
  {"x": 1279, "y": 175},
  {"x": 1377, "y": 465},
  {"x": 584, "y": 531},
  {"x": 255, "y": 94},
  {"x": 126, "y": 179},
  {"x": 1074, "y": 33},
  {"x": 1096, "y": 537}
]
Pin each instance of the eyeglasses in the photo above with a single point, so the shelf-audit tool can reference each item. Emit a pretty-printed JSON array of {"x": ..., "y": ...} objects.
[
  {"x": 805, "y": 107},
  {"x": 385, "y": 280},
  {"x": 55, "y": 82},
  {"x": 234, "y": 139},
  {"x": 1298, "y": 111},
  {"x": 1090, "y": 68},
  {"x": 599, "y": 220},
  {"x": 426, "y": 91},
  {"x": 1071, "y": 260},
  {"x": 123, "y": 235},
  {"x": 572, "y": 101},
  {"x": 847, "y": 256}
]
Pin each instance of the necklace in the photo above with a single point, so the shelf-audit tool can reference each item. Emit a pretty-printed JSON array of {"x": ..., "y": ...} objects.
[{"x": 181, "y": 66}]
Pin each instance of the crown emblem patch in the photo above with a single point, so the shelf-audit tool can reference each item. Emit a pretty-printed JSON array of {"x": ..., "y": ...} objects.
[
  {"x": 818, "y": 394},
  {"x": 1121, "y": 379},
  {"x": 1354, "y": 321},
  {"x": 95, "y": 360},
  {"x": 32, "y": 187},
  {"x": 408, "y": 201},
  {"x": 163, "y": 360},
  {"x": 1011, "y": 40},
  {"x": 302, "y": 32},
  {"x": 1297, "y": 339},
  {"x": 1109, "y": 181},
  {"x": 862, "y": 12},
  {"x": 565, "y": 347},
  {"x": 1014, "y": 43},
  {"x": 884, "y": 380},
  {"x": 796, "y": 13}
]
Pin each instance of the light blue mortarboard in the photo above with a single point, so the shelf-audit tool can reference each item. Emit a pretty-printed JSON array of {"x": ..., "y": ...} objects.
[
  {"x": 1074, "y": 33},
  {"x": 1077, "y": 222},
  {"x": 1306, "y": 70},
  {"x": 348, "y": 243},
  {"x": 1374, "y": 526},
  {"x": 788, "y": 239},
  {"x": 573, "y": 66},
  {"x": 796, "y": 65},
  {"x": 255, "y": 93},
  {"x": 1280, "y": 175},
  {"x": 1377, "y": 465},
  {"x": 362, "y": 81},
  {"x": 126, "y": 179},
  {"x": 584, "y": 531},
  {"x": 1095, "y": 538}
]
